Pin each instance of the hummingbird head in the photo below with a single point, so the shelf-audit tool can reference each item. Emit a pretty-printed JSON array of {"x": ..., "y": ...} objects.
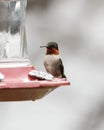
[{"x": 52, "y": 48}]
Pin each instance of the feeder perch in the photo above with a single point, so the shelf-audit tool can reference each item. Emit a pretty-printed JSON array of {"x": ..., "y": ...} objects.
[{"x": 15, "y": 82}]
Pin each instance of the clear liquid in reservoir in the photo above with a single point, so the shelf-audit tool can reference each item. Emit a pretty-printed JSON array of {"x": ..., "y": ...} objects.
[{"x": 13, "y": 44}]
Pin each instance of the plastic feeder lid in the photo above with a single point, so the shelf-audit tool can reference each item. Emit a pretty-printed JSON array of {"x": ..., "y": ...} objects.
[{"x": 19, "y": 86}]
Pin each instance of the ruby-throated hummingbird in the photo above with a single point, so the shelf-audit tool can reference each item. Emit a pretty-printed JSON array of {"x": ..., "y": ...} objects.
[{"x": 52, "y": 61}]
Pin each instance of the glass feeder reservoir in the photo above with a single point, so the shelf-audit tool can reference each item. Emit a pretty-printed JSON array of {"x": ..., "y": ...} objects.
[
  {"x": 15, "y": 82},
  {"x": 13, "y": 44}
]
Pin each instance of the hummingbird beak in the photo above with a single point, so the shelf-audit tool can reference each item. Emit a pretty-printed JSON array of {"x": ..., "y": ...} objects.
[{"x": 42, "y": 46}]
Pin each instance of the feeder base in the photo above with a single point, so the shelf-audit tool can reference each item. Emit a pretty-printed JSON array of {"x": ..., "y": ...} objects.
[
  {"x": 23, "y": 94},
  {"x": 19, "y": 86}
]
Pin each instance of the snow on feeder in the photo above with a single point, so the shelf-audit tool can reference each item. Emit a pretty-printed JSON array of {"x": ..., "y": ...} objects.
[{"x": 16, "y": 80}]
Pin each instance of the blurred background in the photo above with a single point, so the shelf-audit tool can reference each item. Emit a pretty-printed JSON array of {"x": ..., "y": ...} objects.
[{"x": 78, "y": 27}]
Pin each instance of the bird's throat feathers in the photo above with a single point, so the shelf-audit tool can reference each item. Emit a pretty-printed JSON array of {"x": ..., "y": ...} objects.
[{"x": 52, "y": 51}]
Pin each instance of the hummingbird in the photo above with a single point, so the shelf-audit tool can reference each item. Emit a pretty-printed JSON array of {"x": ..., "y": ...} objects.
[{"x": 52, "y": 61}]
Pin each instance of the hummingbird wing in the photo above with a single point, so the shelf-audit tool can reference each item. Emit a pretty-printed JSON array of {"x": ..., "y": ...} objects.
[{"x": 62, "y": 69}]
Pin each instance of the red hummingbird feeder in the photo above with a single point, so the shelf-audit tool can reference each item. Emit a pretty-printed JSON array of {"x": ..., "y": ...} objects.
[{"x": 15, "y": 82}]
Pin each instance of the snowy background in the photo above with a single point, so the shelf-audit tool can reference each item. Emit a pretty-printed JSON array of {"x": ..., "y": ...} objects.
[{"x": 78, "y": 27}]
